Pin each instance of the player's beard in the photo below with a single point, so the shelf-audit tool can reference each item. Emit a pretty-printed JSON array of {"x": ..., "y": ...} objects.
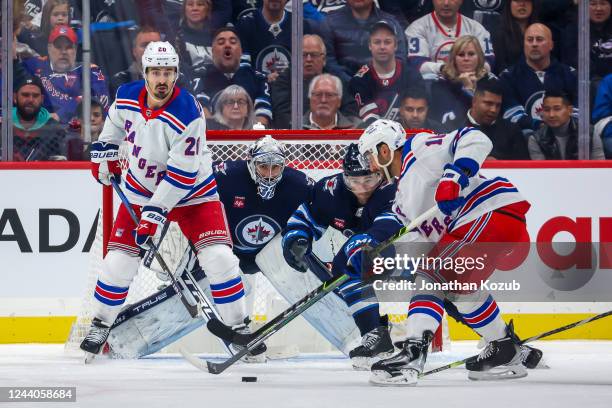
[
  {"x": 28, "y": 115},
  {"x": 163, "y": 93}
]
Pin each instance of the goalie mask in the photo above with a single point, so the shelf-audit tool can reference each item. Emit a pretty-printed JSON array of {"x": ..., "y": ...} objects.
[
  {"x": 266, "y": 163},
  {"x": 357, "y": 175}
]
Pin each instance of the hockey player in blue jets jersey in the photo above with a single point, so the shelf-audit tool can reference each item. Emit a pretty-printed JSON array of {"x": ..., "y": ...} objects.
[
  {"x": 259, "y": 196},
  {"x": 357, "y": 203}
]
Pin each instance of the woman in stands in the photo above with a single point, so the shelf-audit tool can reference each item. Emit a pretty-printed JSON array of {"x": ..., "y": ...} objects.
[
  {"x": 55, "y": 12},
  {"x": 233, "y": 110},
  {"x": 507, "y": 38},
  {"x": 452, "y": 91},
  {"x": 194, "y": 36}
]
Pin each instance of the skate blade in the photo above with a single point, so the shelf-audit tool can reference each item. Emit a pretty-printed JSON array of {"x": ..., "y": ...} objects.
[
  {"x": 89, "y": 357},
  {"x": 409, "y": 378},
  {"x": 366, "y": 363},
  {"x": 499, "y": 373}
]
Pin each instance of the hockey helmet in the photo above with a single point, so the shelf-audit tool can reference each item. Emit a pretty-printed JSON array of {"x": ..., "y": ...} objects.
[
  {"x": 381, "y": 131},
  {"x": 356, "y": 172},
  {"x": 266, "y": 163},
  {"x": 159, "y": 54}
]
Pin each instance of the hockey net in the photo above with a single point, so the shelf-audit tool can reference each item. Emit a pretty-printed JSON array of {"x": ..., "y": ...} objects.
[{"x": 317, "y": 153}]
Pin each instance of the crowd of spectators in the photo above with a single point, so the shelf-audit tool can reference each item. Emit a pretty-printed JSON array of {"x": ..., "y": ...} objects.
[{"x": 506, "y": 66}]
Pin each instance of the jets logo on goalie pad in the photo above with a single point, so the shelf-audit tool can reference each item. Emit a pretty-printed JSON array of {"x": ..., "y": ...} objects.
[{"x": 256, "y": 231}]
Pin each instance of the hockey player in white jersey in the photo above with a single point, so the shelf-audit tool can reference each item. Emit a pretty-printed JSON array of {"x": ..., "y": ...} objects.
[
  {"x": 431, "y": 37},
  {"x": 169, "y": 177},
  {"x": 443, "y": 170}
]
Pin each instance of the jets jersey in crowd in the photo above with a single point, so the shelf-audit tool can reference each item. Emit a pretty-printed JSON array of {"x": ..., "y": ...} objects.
[
  {"x": 267, "y": 47},
  {"x": 253, "y": 221},
  {"x": 423, "y": 159},
  {"x": 430, "y": 42},
  {"x": 378, "y": 97},
  {"x": 333, "y": 205},
  {"x": 64, "y": 91},
  {"x": 169, "y": 164},
  {"x": 524, "y": 90}
]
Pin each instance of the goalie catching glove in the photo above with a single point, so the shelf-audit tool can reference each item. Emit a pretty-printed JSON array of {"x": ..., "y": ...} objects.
[
  {"x": 151, "y": 218},
  {"x": 296, "y": 245},
  {"x": 105, "y": 162}
]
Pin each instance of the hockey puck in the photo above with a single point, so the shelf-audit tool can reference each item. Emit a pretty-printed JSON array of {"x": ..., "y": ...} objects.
[{"x": 249, "y": 379}]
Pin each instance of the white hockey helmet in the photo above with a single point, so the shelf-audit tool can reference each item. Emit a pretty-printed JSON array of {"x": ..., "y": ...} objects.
[
  {"x": 159, "y": 54},
  {"x": 268, "y": 151},
  {"x": 381, "y": 131}
]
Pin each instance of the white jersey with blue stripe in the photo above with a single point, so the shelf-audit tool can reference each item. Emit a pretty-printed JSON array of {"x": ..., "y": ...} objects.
[
  {"x": 169, "y": 164},
  {"x": 423, "y": 159}
]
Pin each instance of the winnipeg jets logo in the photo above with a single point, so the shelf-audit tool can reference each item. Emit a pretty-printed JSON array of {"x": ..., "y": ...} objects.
[
  {"x": 330, "y": 185},
  {"x": 272, "y": 59},
  {"x": 255, "y": 231},
  {"x": 534, "y": 105},
  {"x": 489, "y": 5}
]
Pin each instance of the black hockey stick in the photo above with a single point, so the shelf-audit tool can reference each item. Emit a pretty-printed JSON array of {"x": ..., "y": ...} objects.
[
  {"x": 192, "y": 309},
  {"x": 251, "y": 341},
  {"x": 528, "y": 340}
]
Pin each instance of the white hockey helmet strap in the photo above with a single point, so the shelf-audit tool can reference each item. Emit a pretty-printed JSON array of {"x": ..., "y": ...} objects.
[
  {"x": 382, "y": 131},
  {"x": 159, "y": 54}
]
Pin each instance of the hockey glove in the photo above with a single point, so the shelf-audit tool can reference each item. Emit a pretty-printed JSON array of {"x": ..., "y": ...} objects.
[
  {"x": 353, "y": 249},
  {"x": 105, "y": 162},
  {"x": 151, "y": 218},
  {"x": 296, "y": 245},
  {"x": 450, "y": 185}
]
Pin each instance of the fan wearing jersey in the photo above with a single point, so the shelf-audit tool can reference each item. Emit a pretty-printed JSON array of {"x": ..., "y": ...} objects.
[
  {"x": 169, "y": 178},
  {"x": 357, "y": 203},
  {"x": 443, "y": 170},
  {"x": 431, "y": 37}
]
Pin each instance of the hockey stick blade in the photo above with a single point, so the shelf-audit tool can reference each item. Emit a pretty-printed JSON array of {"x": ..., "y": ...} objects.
[
  {"x": 528, "y": 340},
  {"x": 280, "y": 321}
]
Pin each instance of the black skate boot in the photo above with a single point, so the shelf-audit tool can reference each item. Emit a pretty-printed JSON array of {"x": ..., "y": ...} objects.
[
  {"x": 95, "y": 339},
  {"x": 531, "y": 357},
  {"x": 500, "y": 359},
  {"x": 403, "y": 369},
  {"x": 258, "y": 355},
  {"x": 375, "y": 345}
]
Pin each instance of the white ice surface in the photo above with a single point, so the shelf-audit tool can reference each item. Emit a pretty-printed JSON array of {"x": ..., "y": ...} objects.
[{"x": 580, "y": 377}]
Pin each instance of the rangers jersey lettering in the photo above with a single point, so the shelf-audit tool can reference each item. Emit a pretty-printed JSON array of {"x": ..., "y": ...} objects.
[
  {"x": 430, "y": 42},
  {"x": 169, "y": 164},
  {"x": 423, "y": 159}
]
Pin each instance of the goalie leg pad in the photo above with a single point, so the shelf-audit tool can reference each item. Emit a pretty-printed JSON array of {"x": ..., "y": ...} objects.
[
  {"x": 118, "y": 271},
  {"x": 221, "y": 267}
]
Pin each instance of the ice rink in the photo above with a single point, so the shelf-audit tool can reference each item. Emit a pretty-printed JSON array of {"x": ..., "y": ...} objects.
[{"x": 580, "y": 377}]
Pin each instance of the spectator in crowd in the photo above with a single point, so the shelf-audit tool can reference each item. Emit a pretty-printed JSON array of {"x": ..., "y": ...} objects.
[
  {"x": 525, "y": 82},
  {"x": 36, "y": 135},
  {"x": 507, "y": 138},
  {"x": 226, "y": 70},
  {"x": 485, "y": 12},
  {"x": 452, "y": 91},
  {"x": 414, "y": 110},
  {"x": 172, "y": 11},
  {"x": 346, "y": 36},
  {"x": 601, "y": 40},
  {"x": 143, "y": 37},
  {"x": 194, "y": 36},
  {"x": 233, "y": 110},
  {"x": 313, "y": 55},
  {"x": 602, "y": 114},
  {"x": 325, "y": 94},
  {"x": 54, "y": 13},
  {"x": 557, "y": 139},
  {"x": 377, "y": 85},
  {"x": 508, "y": 36},
  {"x": 265, "y": 34},
  {"x": 62, "y": 76},
  {"x": 431, "y": 37},
  {"x": 76, "y": 144}
]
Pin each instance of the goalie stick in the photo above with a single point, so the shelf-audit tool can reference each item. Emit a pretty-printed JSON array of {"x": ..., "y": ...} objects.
[
  {"x": 250, "y": 341},
  {"x": 528, "y": 340}
]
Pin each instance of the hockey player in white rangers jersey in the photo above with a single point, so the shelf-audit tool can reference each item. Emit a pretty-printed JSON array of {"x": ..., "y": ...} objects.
[
  {"x": 169, "y": 177},
  {"x": 443, "y": 169},
  {"x": 431, "y": 37}
]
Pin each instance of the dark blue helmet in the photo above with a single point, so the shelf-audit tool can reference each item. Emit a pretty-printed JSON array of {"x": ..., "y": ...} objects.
[{"x": 354, "y": 163}]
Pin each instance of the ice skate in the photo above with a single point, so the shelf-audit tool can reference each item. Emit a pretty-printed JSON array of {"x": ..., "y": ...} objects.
[
  {"x": 375, "y": 345},
  {"x": 96, "y": 338}
]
